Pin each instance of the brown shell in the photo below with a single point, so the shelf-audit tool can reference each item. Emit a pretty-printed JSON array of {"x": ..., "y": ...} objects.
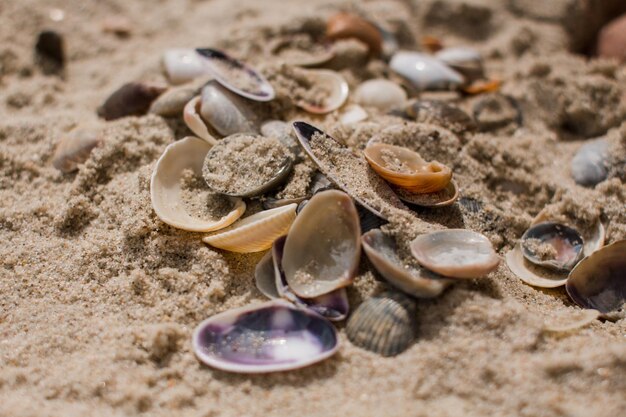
[
  {"x": 131, "y": 99},
  {"x": 347, "y": 25}
]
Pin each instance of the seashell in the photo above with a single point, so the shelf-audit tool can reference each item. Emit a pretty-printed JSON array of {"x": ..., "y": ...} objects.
[
  {"x": 165, "y": 187},
  {"x": 332, "y": 83},
  {"x": 467, "y": 61},
  {"x": 390, "y": 43},
  {"x": 590, "y": 164},
  {"x": 270, "y": 202},
  {"x": 50, "y": 51},
  {"x": 385, "y": 324},
  {"x": 495, "y": 111},
  {"x": 289, "y": 50},
  {"x": 456, "y": 253},
  {"x": 270, "y": 337},
  {"x": 599, "y": 280},
  {"x": 380, "y": 93},
  {"x": 564, "y": 241},
  {"x": 351, "y": 114},
  {"x": 264, "y": 276},
  {"x": 255, "y": 233},
  {"x": 236, "y": 76},
  {"x": 612, "y": 38},
  {"x": 482, "y": 87},
  {"x": 194, "y": 122},
  {"x": 245, "y": 177},
  {"x": 441, "y": 198},
  {"x": 283, "y": 132},
  {"x": 226, "y": 112},
  {"x": 440, "y": 113},
  {"x": 323, "y": 247},
  {"x": 425, "y": 72},
  {"x": 593, "y": 237},
  {"x": 346, "y": 25},
  {"x": 74, "y": 149},
  {"x": 172, "y": 102},
  {"x": 407, "y": 169},
  {"x": 415, "y": 281},
  {"x": 183, "y": 65},
  {"x": 571, "y": 320},
  {"x": 131, "y": 99}
]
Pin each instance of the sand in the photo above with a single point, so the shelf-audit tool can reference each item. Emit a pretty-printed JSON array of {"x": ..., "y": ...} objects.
[{"x": 99, "y": 298}]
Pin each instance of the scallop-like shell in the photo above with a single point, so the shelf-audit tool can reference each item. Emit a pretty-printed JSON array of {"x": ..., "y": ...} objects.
[
  {"x": 564, "y": 240},
  {"x": 383, "y": 253},
  {"x": 255, "y": 233},
  {"x": 323, "y": 247},
  {"x": 74, "y": 148},
  {"x": 425, "y": 72},
  {"x": 270, "y": 337},
  {"x": 237, "y": 76},
  {"x": 183, "y": 65},
  {"x": 226, "y": 112},
  {"x": 333, "y": 82},
  {"x": 131, "y": 99},
  {"x": 599, "y": 280},
  {"x": 380, "y": 93},
  {"x": 417, "y": 175},
  {"x": 385, "y": 324},
  {"x": 441, "y": 198},
  {"x": 346, "y": 25},
  {"x": 466, "y": 61},
  {"x": 165, "y": 188},
  {"x": 321, "y": 55},
  {"x": 590, "y": 164},
  {"x": 456, "y": 253}
]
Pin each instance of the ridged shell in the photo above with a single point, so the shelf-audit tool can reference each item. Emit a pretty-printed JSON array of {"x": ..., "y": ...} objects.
[
  {"x": 183, "y": 65},
  {"x": 384, "y": 324},
  {"x": 255, "y": 233},
  {"x": 194, "y": 122},
  {"x": 75, "y": 147},
  {"x": 345, "y": 25},
  {"x": 380, "y": 93},
  {"x": 333, "y": 82},
  {"x": 165, "y": 187},
  {"x": 425, "y": 72}
]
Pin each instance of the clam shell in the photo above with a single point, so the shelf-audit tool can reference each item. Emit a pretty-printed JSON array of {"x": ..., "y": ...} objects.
[
  {"x": 594, "y": 238},
  {"x": 165, "y": 188},
  {"x": 565, "y": 240},
  {"x": 346, "y": 25},
  {"x": 531, "y": 274},
  {"x": 131, "y": 99},
  {"x": 571, "y": 320},
  {"x": 226, "y": 112},
  {"x": 425, "y": 72},
  {"x": 441, "y": 198},
  {"x": 255, "y": 233},
  {"x": 172, "y": 102},
  {"x": 384, "y": 324},
  {"x": 237, "y": 76},
  {"x": 466, "y": 61},
  {"x": 456, "y": 253},
  {"x": 418, "y": 282},
  {"x": 264, "y": 276},
  {"x": 599, "y": 280},
  {"x": 75, "y": 147},
  {"x": 332, "y": 82},
  {"x": 323, "y": 247},
  {"x": 270, "y": 337},
  {"x": 183, "y": 65},
  {"x": 380, "y": 93},
  {"x": 590, "y": 164},
  {"x": 195, "y": 123}
]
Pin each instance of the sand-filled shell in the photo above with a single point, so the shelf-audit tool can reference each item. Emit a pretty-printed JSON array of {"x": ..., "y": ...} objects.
[
  {"x": 183, "y": 65},
  {"x": 255, "y": 233},
  {"x": 166, "y": 190},
  {"x": 552, "y": 245},
  {"x": 75, "y": 147},
  {"x": 456, "y": 253},
  {"x": 226, "y": 112},
  {"x": 590, "y": 164},
  {"x": 385, "y": 324},
  {"x": 331, "y": 82},
  {"x": 593, "y": 237},
  {"x": 599, "y": 280},
  {"x": 323, "y": 248},
  {"x": 236, "y": 76},
  {"x": 442, "y": 198},
  {"x": 380, "y": 93},
  {"x": 407, "y": 169},
  {"x": 131, "y": 99},
  {"x": 346, "y": 25},
  {"x": 425, "y": 72},
  {"x": 465, "y": 60},
  {"x": 270, "y": 337},
  {"x": 382, "y": 251}
]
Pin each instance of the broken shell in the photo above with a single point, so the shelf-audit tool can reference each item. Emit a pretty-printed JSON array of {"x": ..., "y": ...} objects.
[
  {"x": 441, "y": 198},
  {"x": 165, "y": 187},
  {"x": 380, "y": 93},
  {"x": 131, "y": 99},
  {"x": 466, "y": 61},
  {"x": 383, "y": 253},
  {"x": 226, "y": 112},
  {"x": 172, "y": 102},
  {"x": 385, "y": 324},
  {"x": 183, "y": 65},
  {"x": 456, "y": 253},
  {"x": 331, "y": 82},
  {"x": 406, "y": 169},
  {"x": 264, "y": 276},
  {"x": 599, "y": 280},
  {"x": 425, "y": 72},
  {"x": 74, "y": 149},
  {"x": 236, "y": 76},
  {"x": 589, "y": 166},
  {"x": 323, "y": 247},
  {"x": 571, "y": 320},
  {"x": 271, "y": 337},
  {"x": 255, "y": 233},
  {"x": 564, "y": 241},
  {"x": 347, "y": 25}
]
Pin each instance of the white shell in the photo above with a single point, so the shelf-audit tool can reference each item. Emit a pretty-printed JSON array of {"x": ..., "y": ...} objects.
[
  {"x": 165, "y": 188},
  {"x": 334, "y": 82},
  {"x": 183, "y": 65},
  {"x": 589, "y": 165},
  {"x": 467, "y": 61},
  {"x": 424, "y": 71},
  {"x": 352, "y": 113},
  {"x": 381, "y": 94},
  {"x": 195, "y": 123}
]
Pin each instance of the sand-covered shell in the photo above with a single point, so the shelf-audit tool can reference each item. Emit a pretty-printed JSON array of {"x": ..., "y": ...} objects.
[
  {"x": 599, "y": 280},
  {"x": 590, "y": 164},
  {"x": 425, "y": 72},
  {"x": 385, "y": 324},
  {"x": 346, "y": 25},
  {"x": 75, "y": 147},
  {"x": 183, "y": 65},
  {"x": 381, "y": 94},
  {"x": 255, "y": 233},
  {"x": 407, "y": 169},
  {"x": 463, "y": 59},
  {"x": 166, "y": 190},
  {"x": 131, "y": 99},
  {"x": 323, "y": 247},
  {"x": 331, "y": 82},
  {"x": 265, "y": 278},
  {"x": 382, "y": 252},
  {"x": 270, "y": 337},
  {"x": 236, "y": 76},
  {"x": 552, "y": 245},
  {"x": 226, "y": 112},
  {"x": 456, "y": 253}
]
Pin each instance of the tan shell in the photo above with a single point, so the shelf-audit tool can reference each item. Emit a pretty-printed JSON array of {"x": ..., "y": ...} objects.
[
  {"x": 74, "y": 148},
  {"x": 165, "y": 188},
  {"x": 323, "y": 247},
  {"x": 456, "y": 253},
  {"x": 422, "y": 176},
  {"x": 346, "y": 25},
  {"x": 351, "y": 114},
  {"x": 192, "y": 119},
  {"x": 183, "y": 65},
  {"x": 333, "y": 82},
  {"x": 255, "y": 233}
]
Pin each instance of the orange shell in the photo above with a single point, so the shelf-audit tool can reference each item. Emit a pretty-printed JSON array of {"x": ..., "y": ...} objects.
[{"x": 346, "y": 25}]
